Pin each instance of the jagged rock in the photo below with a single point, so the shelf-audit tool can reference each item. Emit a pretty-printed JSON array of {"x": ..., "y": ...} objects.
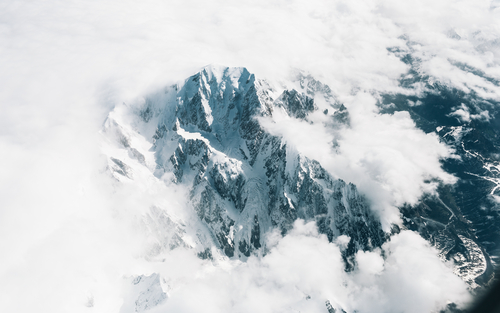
[
  {"x": 296, "y": 104},
  {"x": 245, "y": 181},
  {"x": 341, "y": 116},
  {"x": 148, "y": 291},
  {"x": 329, "y": 307},
  {"x": 121, "y": 168}
]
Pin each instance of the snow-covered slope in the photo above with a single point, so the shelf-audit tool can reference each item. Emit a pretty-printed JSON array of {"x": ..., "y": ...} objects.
[{"x": 205, "y": 134}]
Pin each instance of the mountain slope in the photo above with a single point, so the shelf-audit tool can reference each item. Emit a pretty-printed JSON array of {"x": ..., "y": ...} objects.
[{"x": 244, "y": 181}]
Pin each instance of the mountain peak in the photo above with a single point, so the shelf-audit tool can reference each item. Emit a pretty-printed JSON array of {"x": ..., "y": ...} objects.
[
  {"x": 220, "y": 73},
  {"x": 244, "y": 181}
]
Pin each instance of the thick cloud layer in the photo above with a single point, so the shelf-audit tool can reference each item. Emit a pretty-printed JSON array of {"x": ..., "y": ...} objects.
[
  {"x": 68, "y": 234},
  {"x": 303, "y": 270}
]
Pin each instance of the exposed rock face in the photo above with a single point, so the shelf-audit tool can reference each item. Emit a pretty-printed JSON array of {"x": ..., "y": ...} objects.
[
  {"x": 296, "y": 104},
  {"x": 245, "y": 181}
]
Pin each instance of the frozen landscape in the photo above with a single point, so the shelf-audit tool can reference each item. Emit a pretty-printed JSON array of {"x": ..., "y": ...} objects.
[{"x": 282, "y": 156}]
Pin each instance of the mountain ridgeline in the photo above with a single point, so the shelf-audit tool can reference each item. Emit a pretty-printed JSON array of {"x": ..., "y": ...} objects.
[{"x": 244, "y": 181}]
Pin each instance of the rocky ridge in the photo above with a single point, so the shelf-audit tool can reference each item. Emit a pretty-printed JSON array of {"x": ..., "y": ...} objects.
[{"x": 244, "y": 181}]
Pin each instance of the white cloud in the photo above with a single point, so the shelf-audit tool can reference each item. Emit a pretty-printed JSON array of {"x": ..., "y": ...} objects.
[
  {"x": 303, "y": 270},
  {"x": 413, "y": 279},
  {"x": 370, "y": 262},
  {"x": 462, "y": 113},
  {"x": 385, "y": 156}
]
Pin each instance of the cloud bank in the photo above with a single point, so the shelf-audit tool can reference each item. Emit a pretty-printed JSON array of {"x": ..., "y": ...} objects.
[
  {"x": 303, "y": 270},
  {"x": 385, "y": 156},
  {"x": 66, "y": 232}
]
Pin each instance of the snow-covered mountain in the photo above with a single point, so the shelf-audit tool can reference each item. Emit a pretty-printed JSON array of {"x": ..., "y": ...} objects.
[
  {"x": 205, "y": 136},
  {"x": 243, "y": 181}
]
